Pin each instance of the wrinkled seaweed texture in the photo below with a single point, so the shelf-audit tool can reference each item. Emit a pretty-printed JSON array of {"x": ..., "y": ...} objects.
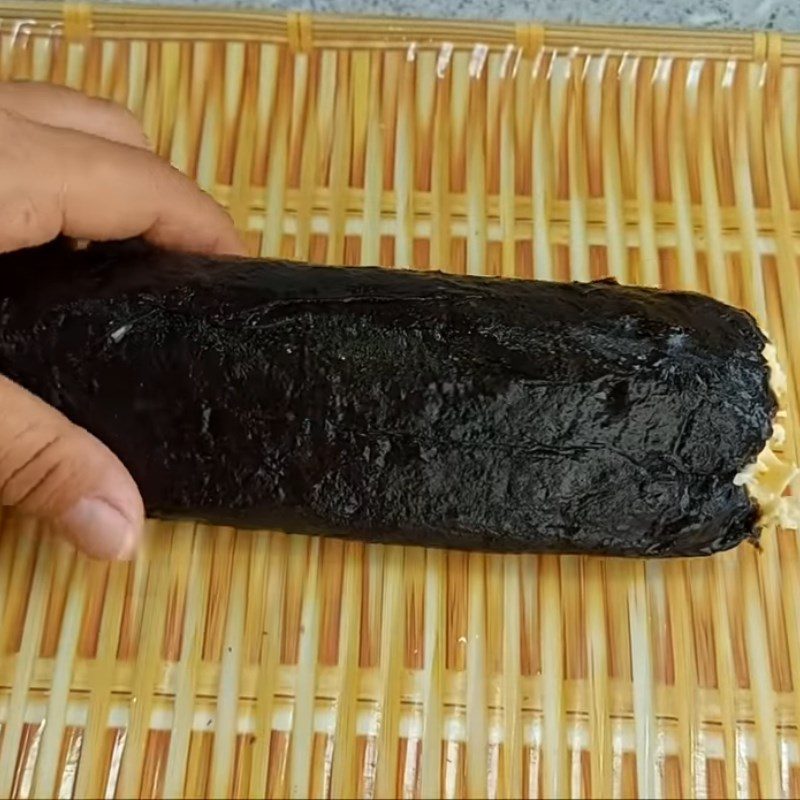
[{"x": 400, "y": 406}]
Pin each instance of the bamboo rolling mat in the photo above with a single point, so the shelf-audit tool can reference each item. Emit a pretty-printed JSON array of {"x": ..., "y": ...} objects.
[{"x": 245, "y": 664}]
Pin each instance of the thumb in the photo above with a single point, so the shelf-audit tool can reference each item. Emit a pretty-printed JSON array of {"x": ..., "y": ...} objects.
[{"x": 61, "y": 474}]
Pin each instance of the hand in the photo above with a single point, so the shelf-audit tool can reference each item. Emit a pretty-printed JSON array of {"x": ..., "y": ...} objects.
[{"x": 81, "y": 167}]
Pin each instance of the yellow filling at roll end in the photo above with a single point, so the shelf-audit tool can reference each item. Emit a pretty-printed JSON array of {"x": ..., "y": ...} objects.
[{"x": 767, "y": 478}]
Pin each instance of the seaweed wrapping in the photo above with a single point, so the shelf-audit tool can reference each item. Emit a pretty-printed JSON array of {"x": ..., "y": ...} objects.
[{"x": 398, "y": 406}]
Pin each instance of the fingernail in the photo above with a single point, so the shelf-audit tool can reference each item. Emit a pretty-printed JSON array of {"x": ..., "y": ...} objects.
[{"x": 99, "y": 529}]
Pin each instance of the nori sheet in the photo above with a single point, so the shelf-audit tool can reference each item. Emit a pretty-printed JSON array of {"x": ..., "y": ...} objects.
[{"x": 400, "y": 406}]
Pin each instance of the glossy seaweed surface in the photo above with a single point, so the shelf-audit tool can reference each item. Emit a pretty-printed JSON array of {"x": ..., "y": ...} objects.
[{"x": 398, "y": 406}]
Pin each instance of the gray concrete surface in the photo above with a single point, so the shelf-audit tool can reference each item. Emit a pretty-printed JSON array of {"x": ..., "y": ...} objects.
[{"x": 783, "y": 15}]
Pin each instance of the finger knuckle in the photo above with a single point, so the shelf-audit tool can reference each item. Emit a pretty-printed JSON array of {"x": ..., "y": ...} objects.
[
  {"x": 9, "y": 128},
  {"x": 27, "y": 222},
  {"x": 29, "y": 462},
  {"x": 46, "y": 470}
]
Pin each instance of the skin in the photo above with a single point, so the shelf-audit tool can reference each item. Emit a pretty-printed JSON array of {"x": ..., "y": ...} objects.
[{"x": 82, "y": 167}]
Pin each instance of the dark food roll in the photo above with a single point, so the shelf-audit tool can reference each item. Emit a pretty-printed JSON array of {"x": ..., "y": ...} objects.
[{"x": 405, "y": 407}]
